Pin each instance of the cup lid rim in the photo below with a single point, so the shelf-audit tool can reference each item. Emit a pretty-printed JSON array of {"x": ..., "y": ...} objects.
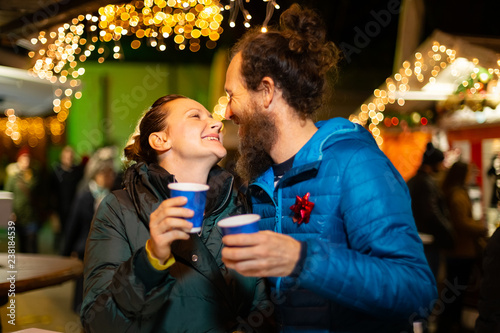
[
  {"x": 238, "y": 220},
  {"x": 192, "y": 187}
]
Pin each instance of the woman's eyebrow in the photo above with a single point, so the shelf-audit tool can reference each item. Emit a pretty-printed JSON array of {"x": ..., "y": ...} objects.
[{"x": 199, "y": 110}]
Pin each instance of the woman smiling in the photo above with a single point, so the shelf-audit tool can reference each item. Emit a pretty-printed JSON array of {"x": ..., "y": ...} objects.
[{"x": 144, "y": 271}]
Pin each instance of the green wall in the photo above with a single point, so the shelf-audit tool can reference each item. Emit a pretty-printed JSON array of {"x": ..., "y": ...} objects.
[{"x": 114, "y": 95}]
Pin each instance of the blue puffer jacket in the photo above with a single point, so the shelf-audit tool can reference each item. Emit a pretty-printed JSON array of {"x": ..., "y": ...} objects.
[{"x": 365, "y": 269}]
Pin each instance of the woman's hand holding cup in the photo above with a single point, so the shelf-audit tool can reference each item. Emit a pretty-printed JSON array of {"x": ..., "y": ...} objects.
[{"x": 167, "y": 224}]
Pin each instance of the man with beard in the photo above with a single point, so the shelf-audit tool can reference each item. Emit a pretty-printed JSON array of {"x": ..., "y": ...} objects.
[{"x": 338, "y": 241}]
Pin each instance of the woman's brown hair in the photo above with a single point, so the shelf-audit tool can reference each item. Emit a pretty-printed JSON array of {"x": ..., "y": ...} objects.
[
  {"x": 455, "y": 177},
  {"x": 153, "y": 120}
]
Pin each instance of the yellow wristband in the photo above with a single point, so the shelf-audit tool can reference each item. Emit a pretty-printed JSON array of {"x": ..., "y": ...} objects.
[{"x": 155, "y": 262}]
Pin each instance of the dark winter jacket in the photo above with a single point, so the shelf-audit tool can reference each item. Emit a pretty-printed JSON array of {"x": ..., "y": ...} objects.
[
  {"x": 467, "y": 230},
  {"x": 78, "y": 224},
  {"x": 124, "y": 293},
  {"x": 430, "y": 210},
  {"x": 364, "y": 268},
  {"x": 489, "y": 297}
]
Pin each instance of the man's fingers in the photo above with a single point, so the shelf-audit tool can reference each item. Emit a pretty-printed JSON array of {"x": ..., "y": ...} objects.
[
  {"x": 247, "y": 267},
  {"x": 261, "y": 254},
  {"x": 244, "y": 239},
  {"x": 238, "y": 253}
]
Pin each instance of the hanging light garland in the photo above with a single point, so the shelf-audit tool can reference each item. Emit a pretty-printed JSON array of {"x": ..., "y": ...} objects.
[
  {"x": 190, "y": 23},
  {"x": 33, "y": 130},
  {"x": 425, "y": 67},
  {"x": 60, "y": 58}
]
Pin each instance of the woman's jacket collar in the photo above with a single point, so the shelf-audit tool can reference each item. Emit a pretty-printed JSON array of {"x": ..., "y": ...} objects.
[{"x": 147, "y": 186}]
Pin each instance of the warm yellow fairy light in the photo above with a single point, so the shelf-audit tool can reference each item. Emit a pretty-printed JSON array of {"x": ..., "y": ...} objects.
[
  {"x": 150, "y": 19},
  {"x": 61, "y": 59},
  {"x": 32, "y": 131},
  {"x": 372, "y": 112}
]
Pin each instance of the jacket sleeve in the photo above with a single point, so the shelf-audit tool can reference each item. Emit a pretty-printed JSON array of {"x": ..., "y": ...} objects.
[
  {"x": 121, "y": 288},
  {"x": 383, "y": 270}
]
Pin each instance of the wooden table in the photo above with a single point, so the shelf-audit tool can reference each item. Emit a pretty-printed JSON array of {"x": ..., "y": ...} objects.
[{"x": 34, "y": 271}]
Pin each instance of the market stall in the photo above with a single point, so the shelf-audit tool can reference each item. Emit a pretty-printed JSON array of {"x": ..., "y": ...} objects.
[{"x": 447, "y": 93}]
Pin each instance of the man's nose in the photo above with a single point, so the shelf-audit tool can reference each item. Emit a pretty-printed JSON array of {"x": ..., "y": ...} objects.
[{"x": 229, "y": 113}]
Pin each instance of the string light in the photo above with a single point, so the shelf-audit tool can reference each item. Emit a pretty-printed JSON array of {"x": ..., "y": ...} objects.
[
  {"x": 33, "y": 130},
  {"x": 190, "y": 23},
  {"x": 438, "y": 58},
  {"x": 220, "y": 109},
  {"x": 62, "y": 52}
]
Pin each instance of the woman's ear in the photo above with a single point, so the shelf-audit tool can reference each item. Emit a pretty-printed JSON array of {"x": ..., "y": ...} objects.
[{"x": 159, "y": 141}]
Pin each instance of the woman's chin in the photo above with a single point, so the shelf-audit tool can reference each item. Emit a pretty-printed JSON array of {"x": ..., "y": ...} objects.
[{"x": 220, "y": 155}]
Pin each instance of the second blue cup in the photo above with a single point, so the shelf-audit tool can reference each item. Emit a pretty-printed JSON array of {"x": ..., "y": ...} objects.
[{"x": 240, "y": 224}]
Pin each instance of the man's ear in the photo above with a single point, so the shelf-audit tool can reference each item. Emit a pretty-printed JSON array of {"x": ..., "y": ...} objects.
[
  {"x": 159, "y": 141},
  {"x": 267, "y": 88}
]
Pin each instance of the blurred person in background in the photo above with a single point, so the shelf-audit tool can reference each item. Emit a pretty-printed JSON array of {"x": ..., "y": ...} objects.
[
  {"x": 468, "y": 233},
  {"x": 4, "y": 161},
  {"x": 144, "y": 271},
  {"x": 99, "y": 179},
  {"x": 64, "y": 180},
  {"x": 489, "y": 294},
  {"x": 23, "y": 181},
  {"x": 429, "y": 207},
  {"x": 494, "y": 173},
  {"x": 494, "y": 209}
]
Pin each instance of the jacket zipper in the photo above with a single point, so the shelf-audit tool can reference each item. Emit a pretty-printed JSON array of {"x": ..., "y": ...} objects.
[
  {"x": 223, "y": 204},
  {"x": 277, "y": 219},
  {"x": 278, "y": 227}
]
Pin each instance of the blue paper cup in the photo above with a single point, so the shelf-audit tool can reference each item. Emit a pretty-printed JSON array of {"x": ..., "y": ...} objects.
[
  {"x": 197, "y": 197},
  {"x": 240, "y": 224}
]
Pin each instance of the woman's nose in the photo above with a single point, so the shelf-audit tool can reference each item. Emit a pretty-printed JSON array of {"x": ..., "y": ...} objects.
[{"x": 216, "y": 124}]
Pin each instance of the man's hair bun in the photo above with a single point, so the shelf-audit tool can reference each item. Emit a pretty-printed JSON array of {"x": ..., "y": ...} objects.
[
  {"x": 296, "y": 55},
  {"x": 306, "y": 33},
  {"x": 303, "y": 28}
]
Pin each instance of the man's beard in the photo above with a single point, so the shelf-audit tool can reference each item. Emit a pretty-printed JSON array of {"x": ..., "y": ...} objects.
[{"x": 259, "y": 133}]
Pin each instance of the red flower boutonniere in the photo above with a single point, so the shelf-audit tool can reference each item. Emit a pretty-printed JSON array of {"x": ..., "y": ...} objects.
[{"x": 302, "y": 209}]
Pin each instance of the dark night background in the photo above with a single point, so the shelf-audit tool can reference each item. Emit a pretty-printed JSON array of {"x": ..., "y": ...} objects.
[{"x": 359, "y": 72}]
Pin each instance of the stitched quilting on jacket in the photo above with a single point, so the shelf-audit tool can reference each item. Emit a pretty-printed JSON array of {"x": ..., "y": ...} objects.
[
  {"x": 124, "y": 293},
  {"x": 365, "y": 270}
]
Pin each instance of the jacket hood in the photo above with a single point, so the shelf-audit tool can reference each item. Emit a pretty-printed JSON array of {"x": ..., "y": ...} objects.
[
  {"x": 147, "y": 186},
  {"x": 329, "y": 132},
  {"x": 310, "y": 155}
]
